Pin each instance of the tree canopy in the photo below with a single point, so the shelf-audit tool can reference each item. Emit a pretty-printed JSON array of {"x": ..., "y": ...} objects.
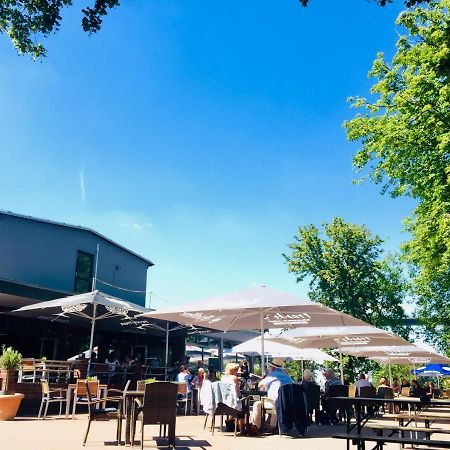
[
  {"x": 27, "y": 22},
  {"x": 404, "y": 133},
  {"x": 346, "y": 270}
]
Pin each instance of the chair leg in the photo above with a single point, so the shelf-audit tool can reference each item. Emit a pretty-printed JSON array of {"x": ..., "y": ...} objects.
[
  {"x": 40, "y": 409},
  {"x": 87, "y": 431},
  {"x": 46, "y": 409},
  {"x": 60, "y": 408},
  {"x": 73, "y": 408},
  {"x": 206, "y": 420},
  {"x": 213, "y": 423},
  {"x": 142, "y": 436}
]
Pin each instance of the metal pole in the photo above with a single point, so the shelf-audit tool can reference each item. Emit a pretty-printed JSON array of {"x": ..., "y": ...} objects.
[
  {"x": 220, "y": 354},
  {"x": 261, "y": 321},
  {"x": 390, "y": 373},
  {"x": 94, "y": 280},
  {"x": 91, "y": 344},
  {"x": 301, "y": 366},
  {"x": 342, "y": 367},
  {"x": 167, "y": 351}
]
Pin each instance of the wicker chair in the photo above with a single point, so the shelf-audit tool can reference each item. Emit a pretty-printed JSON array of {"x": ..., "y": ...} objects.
[
  {"x": 96, "y": 413},
  {"x": 51, "y": 396},
  {"x": 140, "y": 385},
  {"x": 81, "y": 396},
  {"x": 159, "y": 408}
]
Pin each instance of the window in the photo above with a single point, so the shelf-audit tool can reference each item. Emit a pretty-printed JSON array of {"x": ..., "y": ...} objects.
[{"x": 83, "y": 272}]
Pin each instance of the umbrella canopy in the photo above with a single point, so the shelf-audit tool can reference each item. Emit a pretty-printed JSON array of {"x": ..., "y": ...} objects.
[
  {"x": 260, "y": 308},
  {"x": 89, "y": 307},
  {"x": 352, "y": 337},
  {"x": 433, "y": 370},
  {"x": 273, "y": 348}
]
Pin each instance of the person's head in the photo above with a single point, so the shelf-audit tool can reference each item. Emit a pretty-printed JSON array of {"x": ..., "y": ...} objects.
[
  {"x": 346, "y": 377},
  {"x": 362, "y": 376},
  {"x": 231, "y": 369},
  {"x": 395, "y": 381},
  {"x": 276, "y": 363},
  {"x": 426, "y": 384},
  {"x": 414, "y": 383},
  {"x": 432, "y": 385},
  {"x": 128, "y": 358},
  {"x": 244, "y": 362},
  {"x": 404, "y": 381},
  {"x": 328, "y": 374},
  {"x": 383, "y": 381},
  {"x": 200, "y": 372},
  {"x": 307, "y": 375},
  {"x": 184, "y": 368},
  {"x": 205, "y": 374}
]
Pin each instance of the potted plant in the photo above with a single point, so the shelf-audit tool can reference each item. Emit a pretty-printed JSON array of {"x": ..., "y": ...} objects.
[{"x": 10, "y": 361}]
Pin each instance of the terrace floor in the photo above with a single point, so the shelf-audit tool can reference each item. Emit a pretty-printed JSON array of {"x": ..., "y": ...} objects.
[{"x": 29, "y": 433}]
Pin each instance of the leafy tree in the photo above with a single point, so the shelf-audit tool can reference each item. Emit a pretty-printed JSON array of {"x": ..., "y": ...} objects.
[
  {"x": 26, "y": 22},
  {"x": 346, "y": 271},
  {"x": 404, "y": 132}
]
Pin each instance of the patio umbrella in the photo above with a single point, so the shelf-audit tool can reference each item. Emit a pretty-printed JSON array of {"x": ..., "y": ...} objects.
[
  {"x": 257, "y": 308},
  {"x": 433, "y": 370},
  {"x": 274, "y": 348},
  {"x": 91, "y": 306},
  {"x": 344, "y": 339}
]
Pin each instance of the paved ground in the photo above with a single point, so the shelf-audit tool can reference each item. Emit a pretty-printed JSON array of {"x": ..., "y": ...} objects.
[{"x": 60, "y": 434}]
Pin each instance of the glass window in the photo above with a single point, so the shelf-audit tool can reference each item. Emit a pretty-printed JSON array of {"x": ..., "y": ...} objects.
[{"x": 83, "y": 272}]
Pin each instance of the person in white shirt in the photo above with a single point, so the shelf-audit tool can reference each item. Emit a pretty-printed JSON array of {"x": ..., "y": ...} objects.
[{"x": 362, "y": 382}]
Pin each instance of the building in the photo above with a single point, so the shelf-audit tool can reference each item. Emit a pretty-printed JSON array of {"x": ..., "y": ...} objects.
[{"x": 42, "y": 260}]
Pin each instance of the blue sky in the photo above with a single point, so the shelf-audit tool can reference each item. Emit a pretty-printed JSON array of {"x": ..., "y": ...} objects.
[{"x": 198, "y": 134}]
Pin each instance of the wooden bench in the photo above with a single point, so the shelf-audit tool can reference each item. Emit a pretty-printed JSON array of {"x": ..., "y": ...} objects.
[
  {"x": 381, "y": 440},
  {"x": 400, "y": 428}
]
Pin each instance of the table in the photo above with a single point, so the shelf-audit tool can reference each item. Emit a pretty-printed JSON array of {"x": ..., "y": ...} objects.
[
  {"x": 129, "y": 397},
  {"x": 361, "y": 419},
  {"x": 103, "y": 388}
]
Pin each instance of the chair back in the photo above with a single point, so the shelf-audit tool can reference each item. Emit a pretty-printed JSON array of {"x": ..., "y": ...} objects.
[
  {"x": 87, "y": 389},
  {"x": 405, "y": 391},
  {"x": 385, "y": 392},
  {"x": 45, "y": 388},
  {"x": 367, "y": 392},
  {"x": 140, "y": 385},
  {"x": 338, "y": 390},
  {"x": 27, "y": 363},
  {"x": 312, "y": 392},
  {"x": 352, "y": 390},
  {"x": 183, "y": 388},
  {"x": 160, "y": 403}
]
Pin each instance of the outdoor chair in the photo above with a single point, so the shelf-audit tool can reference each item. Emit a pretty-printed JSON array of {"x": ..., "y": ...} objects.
[
  {"x": 352, "y": 390},
  {"x": 97, "y": 413},
  {"x": 118, "y": 396},
  {"x": 312, "y": 392},
  {"x": 84, "y": 394},
  {"x": 405, "y": 391},
  {"x": 388, "y": 393},
  {"x": 367, "y": 392},
  {"x": 159, "y": 407},
  {"x": 51, "y": 396},
  {"x": 140, "y": 385},
  {"x": 27, "y": 371},
  {"x": 267, "y": 412},
  {"x": 338, "y": 390},
  {"x": 184, "y": 396}
]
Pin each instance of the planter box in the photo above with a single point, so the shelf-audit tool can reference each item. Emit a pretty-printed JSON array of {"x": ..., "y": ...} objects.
[{"x": 9, "y": 404}]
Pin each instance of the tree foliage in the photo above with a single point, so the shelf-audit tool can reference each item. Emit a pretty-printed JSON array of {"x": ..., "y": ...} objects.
[
  {"x": 404, "y": 132},
  {"x": 347, "y": 271},
  {"x": 26, "y": 22}
]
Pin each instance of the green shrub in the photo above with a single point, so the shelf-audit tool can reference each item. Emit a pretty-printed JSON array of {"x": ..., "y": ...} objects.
[{"x": 10, "y": 359}]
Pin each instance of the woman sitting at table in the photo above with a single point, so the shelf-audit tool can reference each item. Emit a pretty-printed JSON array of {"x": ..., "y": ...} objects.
[
  {"x": 198, "y": 379},
  {"x": 414, "y": 389},
  {"x": 185, "y": 376}
]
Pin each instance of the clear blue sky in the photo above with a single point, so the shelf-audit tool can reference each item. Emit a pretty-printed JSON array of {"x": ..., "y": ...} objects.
[{"x": 199, "y": 134}]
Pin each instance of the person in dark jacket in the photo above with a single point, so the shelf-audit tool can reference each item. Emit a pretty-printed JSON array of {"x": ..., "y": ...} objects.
[{"x": 291, "y": 410}]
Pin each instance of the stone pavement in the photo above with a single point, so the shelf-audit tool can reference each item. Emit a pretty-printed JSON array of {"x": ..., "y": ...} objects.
[{"x": 26, "y": 433}]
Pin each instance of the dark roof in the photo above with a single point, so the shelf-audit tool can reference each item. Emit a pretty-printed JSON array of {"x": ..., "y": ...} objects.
[{"x": 76, "y": 227}]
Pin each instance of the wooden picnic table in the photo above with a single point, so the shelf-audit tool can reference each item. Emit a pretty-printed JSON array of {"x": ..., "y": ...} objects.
[{"x": 354, "y": 431}]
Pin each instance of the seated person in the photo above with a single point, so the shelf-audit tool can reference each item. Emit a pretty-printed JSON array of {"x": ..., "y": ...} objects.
[
  {"x": 184, "y": 376},
  {"x": 396, "y": 386},
  {"x": 328, "y": 406},
  {"x": 112, "y": 362},
  {"x": 231, "y": 372},
  {"x": 198, "y": 379},
  {"x": 129, "y": 361},
  {"x": 362, "y": 382},
  {"x": 275, "y": 378},
  {"x": 244, "y": 371},
  {"x": 414, "y": 390}
]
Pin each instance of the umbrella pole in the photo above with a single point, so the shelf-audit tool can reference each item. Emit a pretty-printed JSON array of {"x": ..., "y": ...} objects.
[
  {"x": 390, "y": 373},
  {"x": 301, "y": 366},
  {"x": 91, "y": 343},
  {"x": 342, "y": 366},
  {"x": 167, "y": 351},
  {"x": 261, "y": 321}
]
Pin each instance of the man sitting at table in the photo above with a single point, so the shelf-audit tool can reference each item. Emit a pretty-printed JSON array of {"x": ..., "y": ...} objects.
[
  {"x": 327, "y": 406},
  {"x": 275, "y": 378},
  {"x": 362, "y": 382}
]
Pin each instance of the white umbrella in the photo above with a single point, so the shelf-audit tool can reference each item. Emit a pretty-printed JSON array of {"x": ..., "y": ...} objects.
[
  {"x": 274, "y": 348},
  {"x": 92, "y": 306},
  {"x": 257, "y": 308},
  {"x": 344, "y": 339}
]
